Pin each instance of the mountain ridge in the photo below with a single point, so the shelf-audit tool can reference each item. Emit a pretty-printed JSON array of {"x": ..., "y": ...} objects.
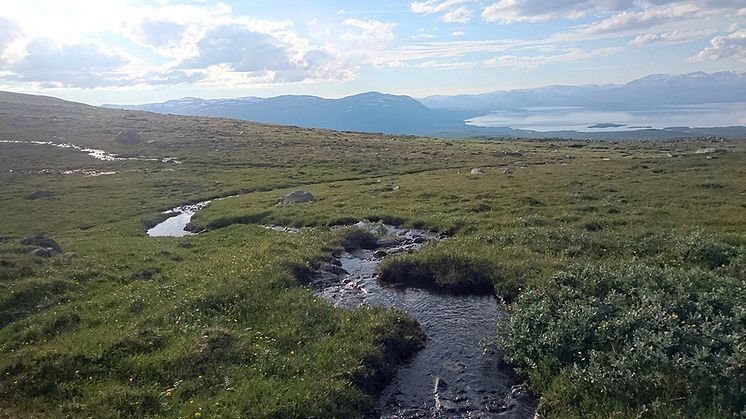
[{"x": 654, "y": 89}]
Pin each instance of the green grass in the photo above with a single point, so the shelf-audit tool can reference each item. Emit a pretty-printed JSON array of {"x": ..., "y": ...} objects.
[{"x": 122, "y": 325}]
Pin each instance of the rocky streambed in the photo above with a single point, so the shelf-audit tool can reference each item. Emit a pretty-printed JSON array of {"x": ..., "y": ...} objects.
[{"x": 459, "y": 372}]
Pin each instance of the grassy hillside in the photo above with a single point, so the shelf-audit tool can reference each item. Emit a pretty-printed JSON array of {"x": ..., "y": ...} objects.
[{"x": 623, "y": 263}]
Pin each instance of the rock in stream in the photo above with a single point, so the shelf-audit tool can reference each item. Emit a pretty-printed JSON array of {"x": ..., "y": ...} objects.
[{"x": 459, "y": 372}]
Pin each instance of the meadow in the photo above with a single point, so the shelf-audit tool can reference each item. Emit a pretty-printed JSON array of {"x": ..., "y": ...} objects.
[{"x": 622, "y": 265}]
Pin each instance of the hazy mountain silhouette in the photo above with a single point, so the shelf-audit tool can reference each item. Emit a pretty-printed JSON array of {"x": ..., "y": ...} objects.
[
  {"x": 367, "y": 112},
  {"x": 444, "y": 115},
  {"x": 657, "y": 89}
]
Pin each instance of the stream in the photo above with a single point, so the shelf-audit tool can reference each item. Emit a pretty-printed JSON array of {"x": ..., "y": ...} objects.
[
  {"x": 95, "y": 153},
  {"x": 175, "y": 225},
  {"x": 459, "y": 372}
]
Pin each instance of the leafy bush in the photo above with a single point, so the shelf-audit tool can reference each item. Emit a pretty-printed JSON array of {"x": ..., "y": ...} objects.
[{"x": 662, "y": 341}]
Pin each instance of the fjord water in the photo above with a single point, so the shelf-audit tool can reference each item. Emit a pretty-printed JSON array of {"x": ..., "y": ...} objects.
[{"x": 567, "y": 118}]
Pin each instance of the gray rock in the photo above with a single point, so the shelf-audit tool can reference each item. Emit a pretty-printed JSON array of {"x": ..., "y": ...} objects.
[
  {"x": 296, "y": 197},
  {"x": 380, "y": 253},
  {"x": 43, "y": 242},
  {"x": 40, "y": 246},
  {"x": 39, "y": 194},
  {"x": 43, "y": 252},
  {"x": 388, "y": 242},
  {"x": 478, "y": 171},
  {"x": 128, "y": 137},
  {"x": 333, "y": 269}
]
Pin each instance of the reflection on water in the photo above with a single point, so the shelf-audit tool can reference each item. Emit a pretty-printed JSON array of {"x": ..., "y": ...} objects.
[
  {"x": 175, "y": 226},
  {"x": 563, "y": 118},
  {"x": 459, "y": 372}
]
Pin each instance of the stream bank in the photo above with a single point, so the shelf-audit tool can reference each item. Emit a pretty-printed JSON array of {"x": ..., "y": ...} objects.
[{"x": 459, "y": 372}]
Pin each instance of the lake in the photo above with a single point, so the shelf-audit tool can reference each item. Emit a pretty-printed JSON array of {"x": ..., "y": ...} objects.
[{"x": 562, "y": 118}]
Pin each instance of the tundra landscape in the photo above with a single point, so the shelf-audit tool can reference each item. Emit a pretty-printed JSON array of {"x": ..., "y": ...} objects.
[
  {"x": 278, "y": 209},
  {"x": 616, "y": 268}
]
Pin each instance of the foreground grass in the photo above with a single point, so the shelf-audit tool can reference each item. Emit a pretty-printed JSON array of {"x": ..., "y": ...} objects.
[
  {"x": 212, "y": 328},
  {"x": 593, "y": 246}
]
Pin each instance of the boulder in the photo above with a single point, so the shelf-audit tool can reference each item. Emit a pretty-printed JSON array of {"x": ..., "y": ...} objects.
[
  {"x": 128, "y": 137},
  {"x": 296, "y": 197},
  {"x": 39, "y": 194},
  {"x": 40, "y": 246},
  {"x": 477, "y": 171}
]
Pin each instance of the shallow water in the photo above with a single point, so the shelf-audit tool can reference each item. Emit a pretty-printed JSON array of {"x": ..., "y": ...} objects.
[
  {"x": 458, "y": 373},
  {"x": 96, "y": 154},
  {"x": 175, "y": 226}
]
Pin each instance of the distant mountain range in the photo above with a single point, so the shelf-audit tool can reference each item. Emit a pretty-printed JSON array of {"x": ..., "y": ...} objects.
[
  {"x": 444, "y": 116},
  {"x": 366, "y": 112},
  {"x": 657, "y": 89}
]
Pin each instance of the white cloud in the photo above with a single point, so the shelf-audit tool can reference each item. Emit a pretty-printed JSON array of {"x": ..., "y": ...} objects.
[
  {"x": 731, "y": 46},
  {"x": 615, "y": 14},
  {"x": 258, "y": 56},
  {"x": 458, "y": 33},
  {"x": 368, "y": 32},
  {"x": 509, "y": 11},
  {"x": 435, "y": 6},
  {"x": 9, "y": 31},
  {"x": 672, "y": 37},
  {"x": 52, "y": 64},
  {"x": 454, "y": 65},
  {"x": 458, "y": 15},
  {"x": 194, "y": 43},
  {"x": 650, "y": 17},
  {"x": 453, "y": 10},
  {"x": 533, "y": 61}
]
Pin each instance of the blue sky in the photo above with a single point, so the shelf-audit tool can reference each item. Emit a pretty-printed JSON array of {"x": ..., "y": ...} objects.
[{"x": 119, "y": 51}]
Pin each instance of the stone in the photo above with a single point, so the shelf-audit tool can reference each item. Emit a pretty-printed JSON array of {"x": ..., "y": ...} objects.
[
  {"x": 477, "y": 171},
  {"x": 42, "y": 252},
  {"x": 329, "y": 267},
  {"x": 39, "y": 194},
  {"x": 128, "y": 137},
  {"x": 296, "y": 197},
  {"x": 42, "y": 241},
  {"x": 379, "y": 254}
]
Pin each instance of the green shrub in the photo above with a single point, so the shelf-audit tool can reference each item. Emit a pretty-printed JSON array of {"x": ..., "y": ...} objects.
[{"x": 662, "y": 340}]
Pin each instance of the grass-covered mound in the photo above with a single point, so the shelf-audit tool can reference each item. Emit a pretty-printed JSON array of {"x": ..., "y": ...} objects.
[
  {"x": 440, "y": 271},
  {"x": 636, "y": 341},
  {"x": 175, "y": 327}
]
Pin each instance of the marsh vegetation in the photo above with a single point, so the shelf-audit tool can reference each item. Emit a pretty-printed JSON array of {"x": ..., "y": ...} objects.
[{"x": 620, "y": 264}]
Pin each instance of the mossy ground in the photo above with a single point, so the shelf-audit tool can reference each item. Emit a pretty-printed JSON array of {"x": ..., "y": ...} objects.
[{"x": 120, "y": 324}]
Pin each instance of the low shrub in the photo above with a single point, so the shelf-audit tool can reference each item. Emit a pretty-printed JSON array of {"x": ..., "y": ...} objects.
[{"x": 669, "y": 342}]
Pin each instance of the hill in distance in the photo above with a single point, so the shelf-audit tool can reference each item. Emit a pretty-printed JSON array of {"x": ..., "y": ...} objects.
[
  {"x": 365, "y": 112},
  {"x": 656, "y": 89},
  {"x": 444, "y": 116}
]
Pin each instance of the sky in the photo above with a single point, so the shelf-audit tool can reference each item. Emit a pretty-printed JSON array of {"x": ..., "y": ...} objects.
[{"x": 134, "y": 51}]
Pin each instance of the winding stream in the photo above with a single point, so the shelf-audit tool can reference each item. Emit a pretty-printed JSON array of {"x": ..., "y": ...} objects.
[
  {"x": 175, "y": 225},
  {"x": 96, "y": 154},
  {"x": 459, "y": 372}
]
